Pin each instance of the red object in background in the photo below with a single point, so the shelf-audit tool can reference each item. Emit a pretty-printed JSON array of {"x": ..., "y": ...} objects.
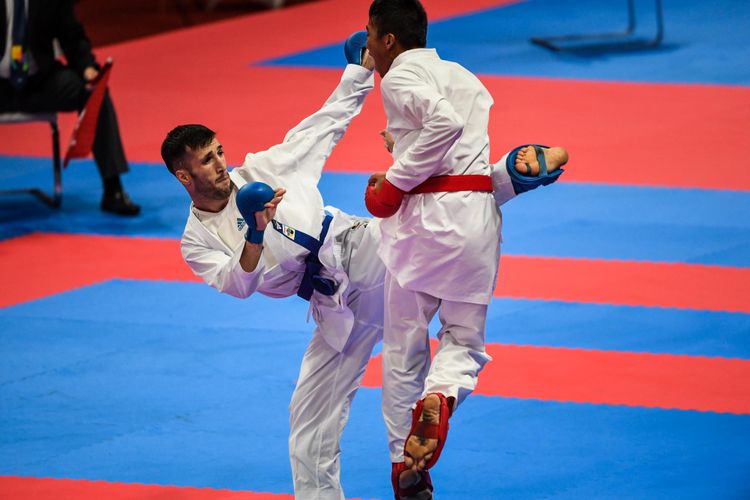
[
  {"x": 42, "y": 488},
  {"x": 84, "y": 132}
]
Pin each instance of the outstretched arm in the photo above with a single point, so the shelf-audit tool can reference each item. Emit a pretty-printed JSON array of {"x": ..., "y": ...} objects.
[{"x": 300, "y": 158}]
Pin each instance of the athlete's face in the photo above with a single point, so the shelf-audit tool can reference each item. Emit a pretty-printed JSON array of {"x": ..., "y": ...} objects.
[
  {"x": 380, "y": 48},
  {"x": 207, "y": 172}
]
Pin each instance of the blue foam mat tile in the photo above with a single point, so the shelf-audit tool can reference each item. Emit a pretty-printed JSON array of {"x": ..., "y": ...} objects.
[
  {"x": 201, "y": 400},
  {"x": 532, "y": 449},
  {"x": 610, "y": 222},
  {"x": 164, "y": 204},
  {"x": 126, "y": 304},
  {"x": 497, "y": 448},
  {"x": 620, "y": 328},
  {"x": 167, "y": 304},
  {"x": 240, "y": 444},
  {"x": 703, "y": 43},
  {"x": 591, "y": 220},
  {"x": 151, "y": 401},
  {"x": 72, "y": 377},
  {"x": 630, "y": 223}
]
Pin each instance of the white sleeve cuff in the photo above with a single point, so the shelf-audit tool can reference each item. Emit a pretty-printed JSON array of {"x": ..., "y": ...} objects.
[{"x": 502, "y": 186}]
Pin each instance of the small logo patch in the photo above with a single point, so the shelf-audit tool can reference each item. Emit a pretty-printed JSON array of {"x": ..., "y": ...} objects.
[
  {"x": 287, "y": 231},
  {"x": 240, "y": 223}
]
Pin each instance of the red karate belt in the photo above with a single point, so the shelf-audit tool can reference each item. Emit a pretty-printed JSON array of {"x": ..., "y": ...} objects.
[{"x": 449, "y": 183}]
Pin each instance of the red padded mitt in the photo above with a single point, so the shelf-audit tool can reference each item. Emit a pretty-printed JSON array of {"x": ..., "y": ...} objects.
[{"x": 385, "y": 201}]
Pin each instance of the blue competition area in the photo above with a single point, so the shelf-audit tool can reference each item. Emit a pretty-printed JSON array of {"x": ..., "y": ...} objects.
[
  {"x": 587, "y": 220},
  {"x": 166, "y": 383},
  {"x": 171, "y": 383},
  {"x": 167, "y": 397},
  {"x": 705, "y": 42}
]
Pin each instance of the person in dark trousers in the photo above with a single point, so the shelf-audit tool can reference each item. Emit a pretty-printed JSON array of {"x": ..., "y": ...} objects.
[{"x": 32, "y": 80}]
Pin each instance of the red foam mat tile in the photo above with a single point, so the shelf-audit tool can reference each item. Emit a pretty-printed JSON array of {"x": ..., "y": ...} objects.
[
  {"x": 82, "y": 260},
  {"x": 627, "y": 133},
  {"x": 616, "y": 133},
  {"x": 33, "y": 488},
  {"x": 685, "y": 286},
  {"x": 608, "y": 377},
  {"x": 621, "y": 133},
  {"x": 202, "y": 75}
]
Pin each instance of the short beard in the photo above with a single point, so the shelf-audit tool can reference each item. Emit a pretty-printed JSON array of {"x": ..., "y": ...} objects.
[{"x": 213, "y": 192}]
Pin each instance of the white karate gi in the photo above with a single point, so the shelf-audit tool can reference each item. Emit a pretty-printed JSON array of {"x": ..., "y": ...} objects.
[
  {"x": 349, "y": 323},
  {"x": 441, "y": 250}
]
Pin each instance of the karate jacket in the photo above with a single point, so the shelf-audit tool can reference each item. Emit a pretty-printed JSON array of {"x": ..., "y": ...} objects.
[
  {"x": 442, "y": 244},
  {"x": 296, "y": 165}
]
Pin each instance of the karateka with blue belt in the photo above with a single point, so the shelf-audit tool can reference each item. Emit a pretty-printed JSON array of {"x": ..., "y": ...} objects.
[{"x": 241, "y": 239}]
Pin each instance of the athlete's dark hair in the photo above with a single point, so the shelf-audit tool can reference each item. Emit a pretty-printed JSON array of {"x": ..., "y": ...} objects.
[
  {"x": 405, "y": 19},
  {"x": 181, "y": 139}
]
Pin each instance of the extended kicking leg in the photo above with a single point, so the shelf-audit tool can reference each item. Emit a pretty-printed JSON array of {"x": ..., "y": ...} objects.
[
  {"x": 528, "y": 164},
  {"x": 428, "y": 432},
  {"x": 525, "y": 168}
]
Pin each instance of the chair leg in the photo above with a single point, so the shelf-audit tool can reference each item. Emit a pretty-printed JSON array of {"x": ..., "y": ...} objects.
[
  {"x": 604, "y": 42},
  {"x": 56, "y": 165},
  {"x": 56, "y": 199}
]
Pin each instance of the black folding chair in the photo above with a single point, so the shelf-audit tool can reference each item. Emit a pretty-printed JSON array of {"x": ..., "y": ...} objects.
[
  {"x": 607, "y": 42},
  {"x": 55, "y": 199}
]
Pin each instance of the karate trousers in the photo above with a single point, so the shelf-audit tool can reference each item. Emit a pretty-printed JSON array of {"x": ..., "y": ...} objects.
[
  {"x": 329, "y": 379},
  {"x": 408, "y": 373}
]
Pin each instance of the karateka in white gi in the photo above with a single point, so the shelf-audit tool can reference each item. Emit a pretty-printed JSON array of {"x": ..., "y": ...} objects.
[
  {"x": 349, "y": 320},
  {"x": 297, "y": 246},
  {"x": 440, "y": 236}
]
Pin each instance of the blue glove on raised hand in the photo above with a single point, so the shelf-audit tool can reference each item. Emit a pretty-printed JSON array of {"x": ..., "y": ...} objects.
[
  {"x": 252, "y": 198},
  {"x": 354, "y": 47}
]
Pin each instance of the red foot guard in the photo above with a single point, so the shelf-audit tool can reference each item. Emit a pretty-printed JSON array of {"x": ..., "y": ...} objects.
[
  {"x": 427, "y": 430},
  {"x": 425, "y": 483}
]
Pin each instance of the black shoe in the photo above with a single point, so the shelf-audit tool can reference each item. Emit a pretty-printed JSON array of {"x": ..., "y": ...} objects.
[{"x": 118, "y": 203}]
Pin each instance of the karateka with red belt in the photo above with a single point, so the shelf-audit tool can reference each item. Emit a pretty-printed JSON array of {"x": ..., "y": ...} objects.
[
  {"x": 322, "y": 254},
  {"x": 440, "y": 237}
]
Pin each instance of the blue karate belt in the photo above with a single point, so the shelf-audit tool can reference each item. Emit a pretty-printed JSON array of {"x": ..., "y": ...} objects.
[{"x": 311, "y": 280}]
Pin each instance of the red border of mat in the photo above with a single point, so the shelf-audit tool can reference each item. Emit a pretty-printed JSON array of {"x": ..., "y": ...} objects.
[
  {"x": 665, "y": 381},
  {"x": 32, "y": 488},
  {"x": 82, "y": 260}
]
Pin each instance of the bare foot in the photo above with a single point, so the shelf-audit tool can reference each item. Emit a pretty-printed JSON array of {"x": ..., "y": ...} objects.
[
  {"x": 527, "y": 163},
  {"x": 419, "y": 450},
  {"x": 410, "y": 478}
]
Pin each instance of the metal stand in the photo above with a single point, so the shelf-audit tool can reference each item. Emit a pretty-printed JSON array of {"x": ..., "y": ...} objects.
[
  {"x": 55, "y": 200},
  {"x": 607, "y": 42}
]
